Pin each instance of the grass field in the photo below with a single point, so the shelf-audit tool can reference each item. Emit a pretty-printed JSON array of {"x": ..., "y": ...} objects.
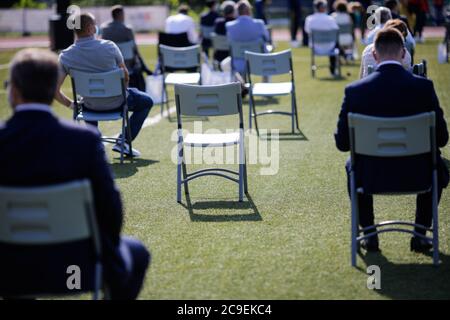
[{"x": 291, "y": 239}]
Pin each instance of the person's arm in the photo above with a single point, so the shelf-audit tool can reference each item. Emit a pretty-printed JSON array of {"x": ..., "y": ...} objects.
[
  {"x": 441, "y": 125},
  {"x": 125, "y": 71},
  {"x": 341, "y": 135},
  {"x": 108, "y": 204},
  {"x": 60, "y": 96}
]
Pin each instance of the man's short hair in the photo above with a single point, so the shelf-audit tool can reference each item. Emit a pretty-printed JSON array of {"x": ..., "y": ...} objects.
[
  {"x": 341, "y": 6},
  {"x": 86, "y": 19},
  {"x": 383, "y": 15},
  {"x": 34, "y": 73},
  {"x": 210, "y": 3},
  {"x": 388, "y": 42},
  {"x": 227, "y": 7},
  {"x": 243, "y": 7},
  {"x": 399, "y": 25},
  {"x": 116, "y": 11},
  {"x": 319, "y": 4},
  {"x": 184, "y": 9}
]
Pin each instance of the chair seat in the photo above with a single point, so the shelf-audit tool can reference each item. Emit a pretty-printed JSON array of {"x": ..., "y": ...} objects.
[
  {"x": 99, "y": 116},
  {"x": 183, "y": 78},
  {"x": 212, "y": 140},
  {"x": 272, "y": 89}
]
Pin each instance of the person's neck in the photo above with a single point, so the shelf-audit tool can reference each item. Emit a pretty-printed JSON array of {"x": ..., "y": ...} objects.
[
  {"x": 391, "y": 60},
  {"x": 85, "y": 36}
]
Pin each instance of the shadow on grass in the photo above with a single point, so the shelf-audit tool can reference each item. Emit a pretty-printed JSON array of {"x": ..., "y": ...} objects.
[
  {"x": 285, "y": 136},
  {"x": 265, "y": 101},
  {"x": 413, "y": 280},
  {"x": 222, "y": 204},
  {"x": 332, "y": 79},
  {"x": 128, "y": 168}
]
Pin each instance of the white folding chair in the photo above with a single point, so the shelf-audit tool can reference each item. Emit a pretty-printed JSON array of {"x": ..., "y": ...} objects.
[
  {"x": 101, "y": 87},
  {"x": 176, "y": 59},
  {"x": 237, "y": 52},
  {"x": 390, "y": 138},
  {"x": 321, "y": 37},
  {"x": 210, "y": 101},
  {"x": 127, "y": 49},
  {"x": 206, "y": 31},
  {"x": 266, "y": 65},
  {"x": 346, "y": 32},
  {"x": 53, "y": 217},
  {"x": 220, "y": 42}
]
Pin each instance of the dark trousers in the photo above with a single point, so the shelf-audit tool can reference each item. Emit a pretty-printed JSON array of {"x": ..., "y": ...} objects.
[
  {"x": 424, "y": 214},
  {"x": 140, "y": 104},
  {"x": 421, "y": 18},
  {"x": 127, "y": 283}
]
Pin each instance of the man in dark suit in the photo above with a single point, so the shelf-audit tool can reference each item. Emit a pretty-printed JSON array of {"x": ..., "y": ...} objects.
[
  {"x": 207, "y": 20},
  {"x": 229, "y": 14},
  {"x": 391, "y": 91},
  {"x": 40, "y": 149}
]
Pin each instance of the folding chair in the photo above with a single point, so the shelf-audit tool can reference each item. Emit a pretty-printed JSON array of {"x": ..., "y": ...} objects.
[
  {"x": 238, "y": 49},
  {"x": 420, "y": 69},
  {"x": 346, "y": 47},
  {"x": 319, "y": 37},
  {"x": 102, "y": 87},
  {"x": 390, "y": 138},
  {"x": 57, "y": 224},
  {"x": 265, "y": 65},
  {"x": 220, "y": 46},
  {"x": 173, "y": 60},
  {"x": 206, "y": 31},
  {"x": 127, "y": 49},
  {"x": 210, "y": 101}
]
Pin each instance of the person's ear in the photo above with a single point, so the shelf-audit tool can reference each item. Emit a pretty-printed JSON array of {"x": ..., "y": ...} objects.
[
  {"x": 403, "y": 53},
  {"x": 375, "y": 55}
]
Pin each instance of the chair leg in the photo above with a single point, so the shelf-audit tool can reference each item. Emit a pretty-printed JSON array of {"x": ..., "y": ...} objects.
[
  {"x": 245, "y": 174},
  {"x": 294, "y": 99},
  {"x": 183, "y": 165},
  {"x": 253, "y": 107},
  {"x": 293, "y": 114},
  {"x": 435, "y": 221},
  {"x": 122, "y": 139},
  {"x": 130, "y": 138},
  {"x": 354, "y": 219},
  {"x": 250, "y": 110},
  {"x": 179, "y": 179}
]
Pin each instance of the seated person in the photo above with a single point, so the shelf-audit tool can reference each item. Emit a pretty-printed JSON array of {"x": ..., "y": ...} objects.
[
  {"x": 88, "y": 54},
  {"x": 118, "y": 32},
  {"x": 342, "y": 17},
  {"x": 182, "y": 22},
  {"x": 34, "y": 133},
  {"x": 368, "y": 58},
  {"x": 321, "y": 21},
  {"x": 207, "y": 20},
  {"x": 245, "y": 29},
  {"x": 393, "y": 92},
  {"x": 229, "y": 14},
  {"x": 383, "y": 15}
]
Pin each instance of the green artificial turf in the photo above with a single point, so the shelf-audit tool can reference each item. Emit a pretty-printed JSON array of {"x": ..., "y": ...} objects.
[{"x": 291, "y": 239}]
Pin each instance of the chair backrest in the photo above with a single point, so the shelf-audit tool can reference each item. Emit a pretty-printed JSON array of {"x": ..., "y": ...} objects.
[
  {"x": 392, "y": 137},
  {"x": 98, "y": 85},
  {"x": 216, "y": 100},
  {"x": 420, "y": 69},
  {"x": 206, "y": 31},
  {"x": 238, "y": 49},
  {"x": 324, "y": 36},
  {"x": 269, "y": 64},
  {"x": 174, "y": 39},
  {"x": 47, "y": 215},
  {"x": 370, "y": 69},
  {"x": 220, "y": 42},
  {"x": 127, "y": 49},
  {"x": 180, "y": 58},
  {"x": 346, "y": 28}
]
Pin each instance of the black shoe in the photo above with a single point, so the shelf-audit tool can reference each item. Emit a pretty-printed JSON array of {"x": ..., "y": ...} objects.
[
  {"x": 420, "y": 245},
  {"x": 370, "y": 244}
]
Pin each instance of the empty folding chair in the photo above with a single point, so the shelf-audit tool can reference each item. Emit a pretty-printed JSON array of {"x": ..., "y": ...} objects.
[
  {"x": 44, "y": 231},
  {"x": 206, "y": 31},
  {"x": 221, "y": 48},
  {"x": 179, "y": 66},
  {"x": 237, "y": 50},
  {"x": 210, "y": 101},
  {"x": 320, "y": 41},
  {"x": 388, "y": 138},
  {"x": 102, "y": 88},
  {"x": 265, "y": 65}
]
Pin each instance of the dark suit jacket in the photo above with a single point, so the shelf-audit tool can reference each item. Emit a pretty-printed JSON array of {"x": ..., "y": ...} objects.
[
  {"x": 39, "y": 149},
  {"x": 391, "y": 91}
]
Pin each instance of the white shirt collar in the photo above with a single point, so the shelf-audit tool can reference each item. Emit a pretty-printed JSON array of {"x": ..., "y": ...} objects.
[
  {"x": 389, "y": 62},
  {"x": 33, "y": 107}
]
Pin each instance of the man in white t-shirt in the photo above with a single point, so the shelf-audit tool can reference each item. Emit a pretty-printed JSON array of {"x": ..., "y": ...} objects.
[
  {"x": 321, "y": 21},
  {"x": 182, "y": 22}
]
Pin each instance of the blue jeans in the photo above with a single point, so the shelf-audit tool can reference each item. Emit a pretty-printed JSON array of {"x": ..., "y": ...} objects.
[{"x": 140, "y": 104}]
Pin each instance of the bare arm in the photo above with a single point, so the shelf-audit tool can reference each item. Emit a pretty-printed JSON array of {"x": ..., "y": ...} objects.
[
  {"x": 60, "y": 96},
  {"x": 125, "y": 71}
]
